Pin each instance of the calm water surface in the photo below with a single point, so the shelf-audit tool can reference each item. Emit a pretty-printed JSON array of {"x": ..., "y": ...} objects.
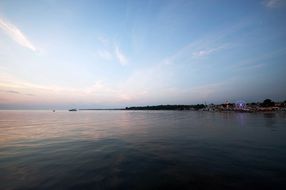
[{"x": 142, "y": 150}]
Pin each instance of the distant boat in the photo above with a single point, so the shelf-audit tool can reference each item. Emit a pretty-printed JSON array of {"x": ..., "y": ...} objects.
[{"x": 73, "y": 110}]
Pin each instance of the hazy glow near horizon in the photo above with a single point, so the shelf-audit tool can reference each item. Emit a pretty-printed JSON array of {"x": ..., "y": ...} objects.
[{"x": 121, "y": 53}]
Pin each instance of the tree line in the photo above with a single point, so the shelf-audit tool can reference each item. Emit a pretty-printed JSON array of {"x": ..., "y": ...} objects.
[
  {"x": 265, "y": 103},
  {"x": 168, "y": 107}
]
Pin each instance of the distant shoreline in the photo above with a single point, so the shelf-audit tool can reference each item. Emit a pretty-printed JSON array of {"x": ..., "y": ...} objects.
[
  {"x": 99, "y": 109},
  {"x": 199, "y": 107}
]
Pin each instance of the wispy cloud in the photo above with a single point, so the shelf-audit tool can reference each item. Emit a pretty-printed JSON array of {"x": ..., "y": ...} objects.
[
  {"x": 206, "y": 52},
  {"x": 256, "y": 61},
  {"x": 13, "y": 92},
  {"x": 16, "y": 92},
  {"x": 194, "y": 50},
  {"x": 213, "y": 42},
  {"x": 272, "y": 3},
  {"x": 104, "y": 40},
  {"x": 104, "y": 54},
  {"x": 16, "y": 34},
  {"x": 109, "y": 51},
  {"x": 121, "y": 58}
]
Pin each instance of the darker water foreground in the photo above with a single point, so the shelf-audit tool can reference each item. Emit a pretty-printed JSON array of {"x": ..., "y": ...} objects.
[{"x": 142, "y": 150}]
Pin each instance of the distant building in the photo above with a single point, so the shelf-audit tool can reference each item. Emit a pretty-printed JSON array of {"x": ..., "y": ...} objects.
[{"x": 226, "y": 104}]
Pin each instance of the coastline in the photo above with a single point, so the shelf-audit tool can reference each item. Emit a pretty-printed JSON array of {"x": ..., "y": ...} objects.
[{"x": 190, "y": 108}]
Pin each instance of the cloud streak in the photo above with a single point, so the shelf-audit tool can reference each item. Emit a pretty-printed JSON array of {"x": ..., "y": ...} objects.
[
  {"x": 206, "y": 52},
  {"x": 272, "y": 3},
  {"x": 110, "y": 51},
  {"x": 213, "y": 42},
  {"x": 14, "y": 90},
  {"x": 121, "y": 58},
  {"x": 104, "y": 55},
  {"x": 16, "y": 34}
]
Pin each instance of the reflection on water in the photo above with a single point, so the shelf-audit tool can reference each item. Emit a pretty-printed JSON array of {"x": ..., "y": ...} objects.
[
  {"x": 270, "y": 119},
  {"x": 142, "y": 150}
]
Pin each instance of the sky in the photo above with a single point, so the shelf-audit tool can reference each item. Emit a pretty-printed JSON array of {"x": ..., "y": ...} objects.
[{"x": 105, "y": 54}]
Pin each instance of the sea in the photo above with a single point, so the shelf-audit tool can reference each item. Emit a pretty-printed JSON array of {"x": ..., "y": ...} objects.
[{"x": 142, "y": 150}]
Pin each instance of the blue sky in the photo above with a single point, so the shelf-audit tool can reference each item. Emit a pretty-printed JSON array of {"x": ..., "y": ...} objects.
[{"x": 58, "y": 54}]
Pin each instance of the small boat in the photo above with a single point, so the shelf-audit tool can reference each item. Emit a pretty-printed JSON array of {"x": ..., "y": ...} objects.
[{"x": 73, "y": 110}]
